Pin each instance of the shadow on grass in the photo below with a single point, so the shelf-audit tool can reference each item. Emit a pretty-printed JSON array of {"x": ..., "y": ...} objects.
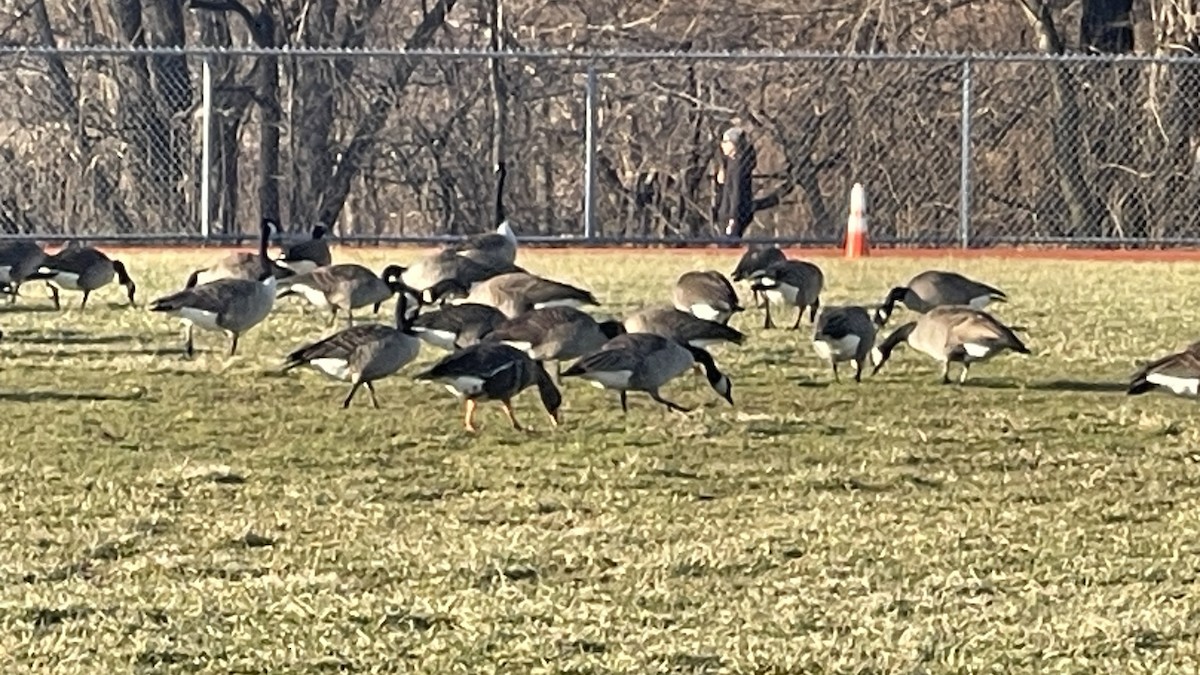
[
  {"x": 19, "y": 308},
  {"x": 30, "y": 337},
  {"x": 1076, "y": 386},
  {"x": 42, "y": 395}
]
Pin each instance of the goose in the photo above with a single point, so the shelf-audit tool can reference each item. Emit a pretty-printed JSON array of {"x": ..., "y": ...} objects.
[
  {"x": 1178, "y": 373},
  {"x": 493, "y": 371},
  {"x": 492, "y": 248},
  {"x": 232, "y": 306},
  {"x": 446, "y": 265},
  {"x": 844, "y": 334},
  {"x": 793, "y": 282},
  {"x": 18, "y": 260},
  {"x": 457, "y": 326},
  {"x": 952, "y": 334},
  {"x": 682, "y": 327},
  {"x": 365, "y": 353},
  {"x": 644, "y": 362},
  {"x": 82, "y": 269},
  {"x": 935, "y": 288},
  {"x": 308, "y": 255},
  {"x": 345, "y": 287},
  {"x": 242, "y": 265},
  {"x": 756, "y": 260},
  {"x": 707, "y": 295},
  {"x": 554, "y": 333},
  {"x": 518, "y": 292}
]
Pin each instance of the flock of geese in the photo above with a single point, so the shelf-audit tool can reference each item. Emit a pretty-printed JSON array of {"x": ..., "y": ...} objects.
[{"x": 502, "y": 324}]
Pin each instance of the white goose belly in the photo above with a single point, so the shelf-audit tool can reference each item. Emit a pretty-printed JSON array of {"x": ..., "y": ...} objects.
[{"x": 837, "y": 349}]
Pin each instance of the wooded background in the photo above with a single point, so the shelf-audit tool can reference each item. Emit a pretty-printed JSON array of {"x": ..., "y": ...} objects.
[{"x": 1097, "y": 148}]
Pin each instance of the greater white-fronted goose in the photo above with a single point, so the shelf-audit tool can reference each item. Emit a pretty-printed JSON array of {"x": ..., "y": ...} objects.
[{"x": 493, "y": 371}]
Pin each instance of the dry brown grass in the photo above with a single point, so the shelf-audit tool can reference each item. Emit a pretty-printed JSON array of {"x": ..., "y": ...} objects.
[{"x": 162, "y": 515}]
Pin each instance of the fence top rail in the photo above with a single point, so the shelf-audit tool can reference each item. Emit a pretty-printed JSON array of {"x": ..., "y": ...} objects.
[{"x": 598, "y": 55}]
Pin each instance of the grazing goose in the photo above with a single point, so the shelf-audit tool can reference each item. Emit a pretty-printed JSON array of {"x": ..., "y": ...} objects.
[
  {"x": 446, "y": 265},
  {"x": 492, "y": 248},
  {"x": 82, "y": 269},
  {"x": 364, "y": 353},
  {"x": 232, "y": 306},
  {"x": 644, "y": 362},
  {"x": 792, "y": 282},
  {"x": 493, "y": 371},
  {"x": 518, "y": 292},
  {"x": 554, "y": 333},
  {"x": 952, "y": 334},
  {"x": 844, "y": 334},
  {"x": 242, "y": 265},
  {"x": 18, "y": 260},
  {"x": 756, "y": 260},
  {"x": 457, "y": 326},
  {"x": 1178, "y": 373},
  {"x": 345, "y": 287},
  {"x": 681, "y": 327},
  {"x": 306, "y": 256},
  {"x": 934, "y": 288},
  {"x": 706, "y": 295}
]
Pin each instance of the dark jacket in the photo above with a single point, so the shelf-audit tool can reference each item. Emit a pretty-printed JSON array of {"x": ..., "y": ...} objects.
[{"x": 737, "y": 192}]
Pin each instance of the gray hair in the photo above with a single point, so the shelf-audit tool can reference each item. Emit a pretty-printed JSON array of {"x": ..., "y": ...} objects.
[{"x": 733, "y": 135}]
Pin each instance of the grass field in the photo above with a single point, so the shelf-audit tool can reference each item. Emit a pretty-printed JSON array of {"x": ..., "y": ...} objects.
[{"x": 163, "y": 515}]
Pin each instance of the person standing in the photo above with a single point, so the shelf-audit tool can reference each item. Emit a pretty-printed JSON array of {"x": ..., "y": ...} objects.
[{"x": 735, "y": 189}]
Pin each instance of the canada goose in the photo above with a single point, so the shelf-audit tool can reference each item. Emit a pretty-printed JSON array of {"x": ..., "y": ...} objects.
[
  {"x": 1178, "y": 373},
  {"x": 682, "y": 327},
  {"x": 18, "y": 260},
  {"x": 242, "y": 265},
  {"x": 707, "y": 295},
  {"x": 499, "y": 247},
  {"x": 232, "y": 306},
  {"x": 952, "y": 334},
  {"x": 518, "y": 292},
  {"x": 345, "y": 286},
  {"x": 493, "y": 371},
  {"x": 554, "y": 333},
  {"x": 364, "y": 353},
  {"x": 935, "y": 288},
  {"x": 756, "y": 260},
  {"x": 793, "y": 282},
  {"x": 308, "y": 255},
  {"x": 82, "y": 269},
  {"x": 844, "y": 334},
  {"x": 445, "y": 265},
  {"x": 644, "y": 362},
  {"x": 457, "y": 326}
]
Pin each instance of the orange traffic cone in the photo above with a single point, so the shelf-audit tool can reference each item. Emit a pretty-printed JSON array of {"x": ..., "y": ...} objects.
[{"x": 856, "y": 225}]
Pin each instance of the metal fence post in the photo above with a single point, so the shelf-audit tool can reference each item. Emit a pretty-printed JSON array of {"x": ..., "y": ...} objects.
[
  {"x": 964, "y": 174},
  {"x": 589, "y": 168},
  {"x": 206, "y": 149}
]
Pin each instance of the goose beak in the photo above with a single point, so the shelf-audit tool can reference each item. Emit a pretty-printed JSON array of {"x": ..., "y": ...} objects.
[{"x": 556, "y": 418}]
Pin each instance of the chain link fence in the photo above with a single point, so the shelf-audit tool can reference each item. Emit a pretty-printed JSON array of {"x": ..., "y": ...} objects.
[{"x": 953, "y": 150}]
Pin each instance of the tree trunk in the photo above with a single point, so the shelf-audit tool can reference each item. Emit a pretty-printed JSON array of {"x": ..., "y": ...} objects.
[
  {"x": 499, "y": 110},
  {"x": 1106, "y": 26}
]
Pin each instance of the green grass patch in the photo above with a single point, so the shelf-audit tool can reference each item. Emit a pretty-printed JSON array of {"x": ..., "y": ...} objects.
[{"x": 165, "y": 515}]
